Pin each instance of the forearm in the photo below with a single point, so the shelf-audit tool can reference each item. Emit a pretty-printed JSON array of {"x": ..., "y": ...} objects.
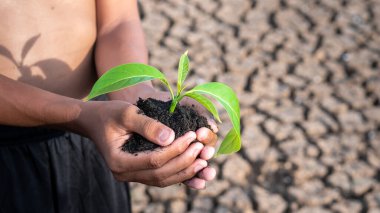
[
  {"x": 123, "y": 43},
  {"x": 120, "y": 44},
  {"x": 25, "y": 105}
]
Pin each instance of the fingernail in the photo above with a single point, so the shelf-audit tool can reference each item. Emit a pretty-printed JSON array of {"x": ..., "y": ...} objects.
[
  {"x": 201, "y": 137},
  {"x": 202, "y": 134},
  {"x": 164, "y": 135},
  {"x": 212, "y": 151}
]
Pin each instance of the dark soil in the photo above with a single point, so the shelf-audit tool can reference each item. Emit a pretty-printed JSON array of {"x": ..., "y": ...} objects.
[{"x": 183, "y": 120}]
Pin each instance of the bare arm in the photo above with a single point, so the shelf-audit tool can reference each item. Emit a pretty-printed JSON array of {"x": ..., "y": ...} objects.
[
  {"x": 25, "y": 105},
  {"x": 120, "y": 40}
]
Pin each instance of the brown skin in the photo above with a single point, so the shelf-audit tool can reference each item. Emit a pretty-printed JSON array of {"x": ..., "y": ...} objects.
[{"x": 47, "y": 65}]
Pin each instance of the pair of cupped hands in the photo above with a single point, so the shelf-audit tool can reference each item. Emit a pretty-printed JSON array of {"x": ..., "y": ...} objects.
[{"x": 181, "y": 160}]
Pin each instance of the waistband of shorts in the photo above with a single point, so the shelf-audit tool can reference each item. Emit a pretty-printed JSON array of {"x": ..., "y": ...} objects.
[{"x": 13, "y": 135}]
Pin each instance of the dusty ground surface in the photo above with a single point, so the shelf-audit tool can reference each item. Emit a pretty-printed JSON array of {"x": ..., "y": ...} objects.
[{"x": 308, "y": 77}]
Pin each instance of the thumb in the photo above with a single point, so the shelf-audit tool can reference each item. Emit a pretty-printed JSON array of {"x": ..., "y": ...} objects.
[{"x": 150, "y": 129}]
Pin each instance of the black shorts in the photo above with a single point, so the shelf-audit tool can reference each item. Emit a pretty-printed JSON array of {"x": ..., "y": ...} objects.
[{"x": 44, "y": 170}]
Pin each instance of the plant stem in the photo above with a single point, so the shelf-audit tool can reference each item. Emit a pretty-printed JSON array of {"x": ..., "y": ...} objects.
[{"x": 173, "y": 105}]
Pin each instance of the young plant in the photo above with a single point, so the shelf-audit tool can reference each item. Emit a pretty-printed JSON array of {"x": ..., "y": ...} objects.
[{"x": 126, "y": 75}]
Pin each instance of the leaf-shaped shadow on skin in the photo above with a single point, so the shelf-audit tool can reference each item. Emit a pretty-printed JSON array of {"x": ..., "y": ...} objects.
[
  {"x": 6, "y": 53},
  {"x": 45, "y": 65},
  {"x": 28, "y": 46},
  {"x": 48, "y": 64}
]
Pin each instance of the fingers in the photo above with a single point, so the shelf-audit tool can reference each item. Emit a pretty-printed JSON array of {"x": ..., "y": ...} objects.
[
  {"x": 207, "y": 174},
  {"x": 154, "y": 159},
  {"x": 175, "y": 165},
  {"x": 149, "y": 128},
  {"x": 199, "y": 182},
  {"x": 206, "y": 136},
  {"x": 185, "y": 174},
  {"x": 183, "y": 161},
  {"x": 207, "y": 153},
  {"x": 196, "y": 183}
]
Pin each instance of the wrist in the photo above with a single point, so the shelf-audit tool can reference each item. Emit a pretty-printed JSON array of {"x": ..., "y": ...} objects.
[{"x": 81, "y": 115}]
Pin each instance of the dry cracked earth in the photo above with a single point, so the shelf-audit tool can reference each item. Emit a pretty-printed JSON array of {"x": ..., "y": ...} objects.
[{"x": 308, "y": 77}]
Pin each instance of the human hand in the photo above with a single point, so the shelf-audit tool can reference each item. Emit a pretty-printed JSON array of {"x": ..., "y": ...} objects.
[
  {"x": 204, "y": 135},
  {"x": 110, "y": 123}
]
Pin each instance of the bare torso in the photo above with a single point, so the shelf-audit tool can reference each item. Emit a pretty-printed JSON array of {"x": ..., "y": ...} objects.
[{"x": 49, "y": 44}]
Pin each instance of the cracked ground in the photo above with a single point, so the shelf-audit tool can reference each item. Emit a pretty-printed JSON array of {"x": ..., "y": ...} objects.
[{"x": 307, "y": 75}]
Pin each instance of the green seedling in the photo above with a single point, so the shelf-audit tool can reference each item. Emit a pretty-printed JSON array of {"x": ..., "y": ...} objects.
[{"x": 126, "y": 75}]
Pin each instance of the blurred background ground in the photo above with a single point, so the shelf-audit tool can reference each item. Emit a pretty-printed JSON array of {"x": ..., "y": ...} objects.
[{"x": 308, "y": 77}]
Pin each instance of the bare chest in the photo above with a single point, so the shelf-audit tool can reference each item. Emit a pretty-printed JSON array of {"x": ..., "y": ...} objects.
[{"x": 47, "y": 41}]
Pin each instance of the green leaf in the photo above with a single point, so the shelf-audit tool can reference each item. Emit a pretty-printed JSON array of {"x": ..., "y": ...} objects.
[
  {"x": 183, "y": 70},
  {"x": 229, "y": 145},
  {"x": 227, "y": 97},
  {"x": 206, "y": 103},
  {"x": 125, "y": 75}
]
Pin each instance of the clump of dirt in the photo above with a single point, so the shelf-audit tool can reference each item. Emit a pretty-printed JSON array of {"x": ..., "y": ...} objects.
[{"x": 183, "y": 120}]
